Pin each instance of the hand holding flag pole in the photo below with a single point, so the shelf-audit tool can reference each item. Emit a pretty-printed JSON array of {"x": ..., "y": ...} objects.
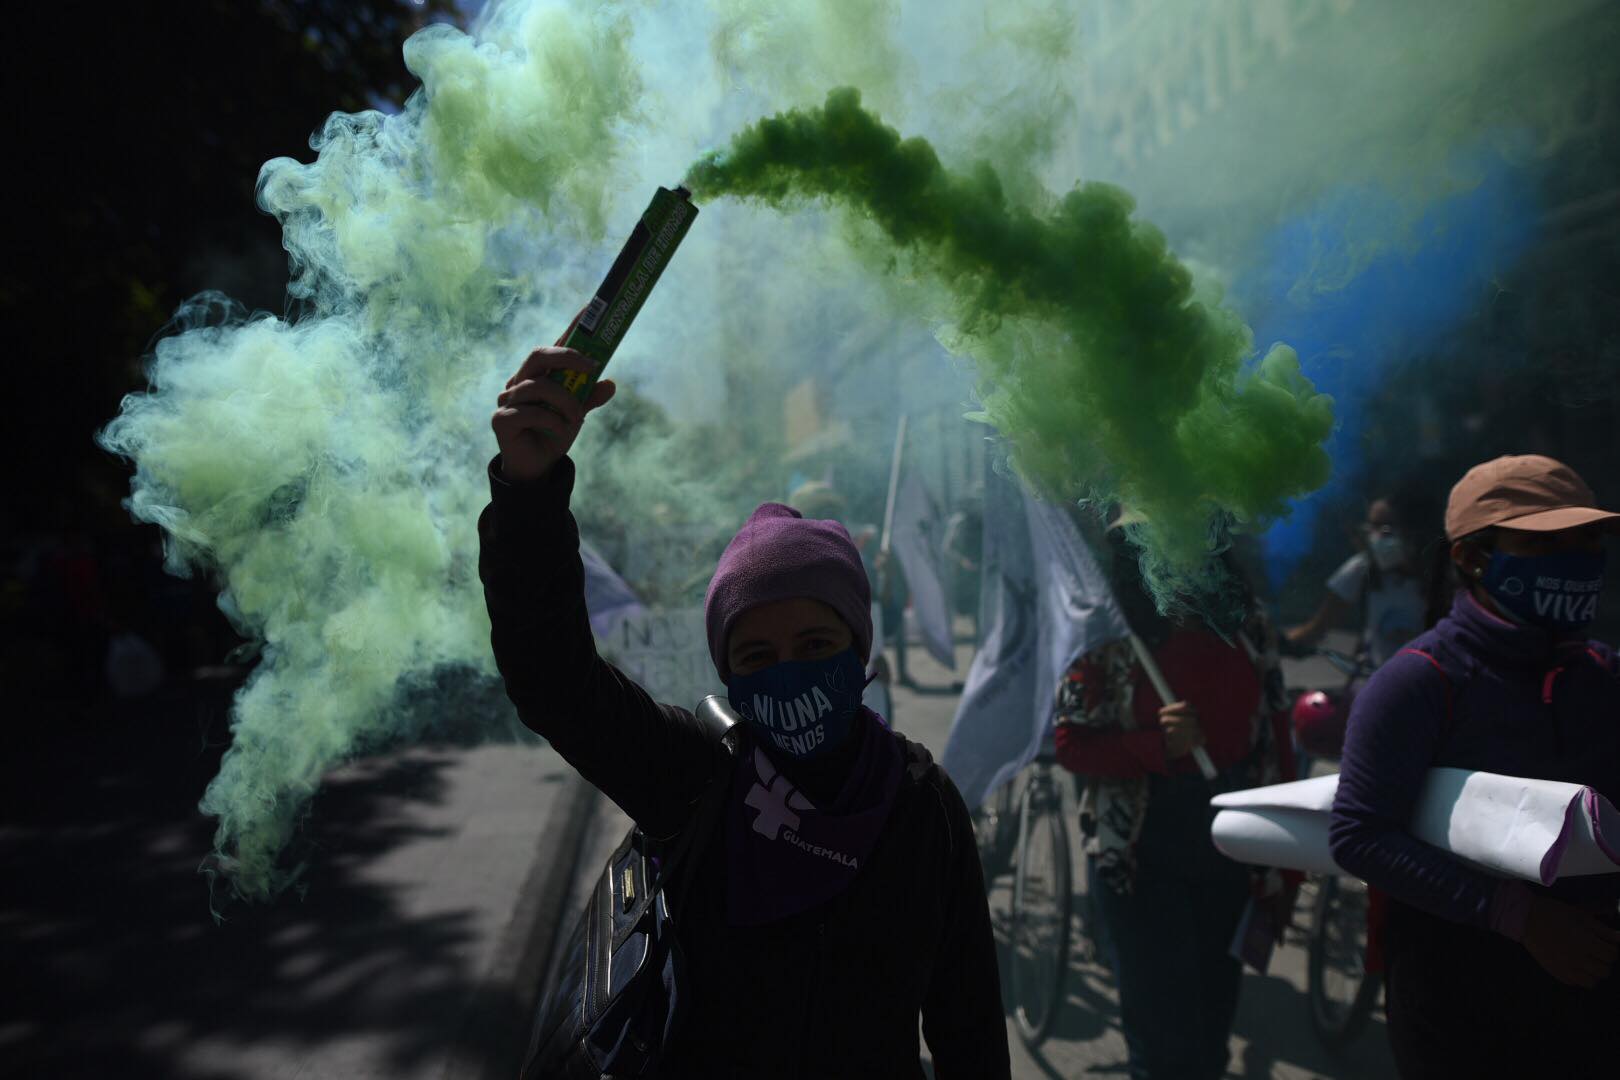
[
  {"x": 894, "y": 485},
  {"x": 1166, "y": 695}
]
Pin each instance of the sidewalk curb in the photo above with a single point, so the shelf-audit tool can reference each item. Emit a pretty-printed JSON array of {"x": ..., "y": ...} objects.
[{"x": 495, "y": 1028}]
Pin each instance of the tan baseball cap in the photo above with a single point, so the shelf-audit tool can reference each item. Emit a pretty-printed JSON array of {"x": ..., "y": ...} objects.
[{"x": 1525, "y": 491}]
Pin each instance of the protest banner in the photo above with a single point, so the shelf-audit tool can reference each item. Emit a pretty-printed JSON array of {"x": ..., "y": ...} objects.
[{"x": 666, "y": 651}]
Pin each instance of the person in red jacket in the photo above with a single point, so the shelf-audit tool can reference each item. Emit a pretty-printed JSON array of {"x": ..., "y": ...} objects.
[{"x": 1170, "y": 903}]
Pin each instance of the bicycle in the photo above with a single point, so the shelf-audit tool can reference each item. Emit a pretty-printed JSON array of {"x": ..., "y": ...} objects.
[
  {"x": 1042, "y": 900},
  {"x": 1339, "y": 994},
  {"x": 1043, "y": 911}
]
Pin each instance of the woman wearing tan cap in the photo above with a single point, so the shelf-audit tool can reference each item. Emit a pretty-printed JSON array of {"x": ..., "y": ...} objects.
[{"x": 1486, "y": 976}]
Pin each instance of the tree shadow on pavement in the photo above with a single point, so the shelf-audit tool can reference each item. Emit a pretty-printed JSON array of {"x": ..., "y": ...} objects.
[{"x": 115, "y": 966}]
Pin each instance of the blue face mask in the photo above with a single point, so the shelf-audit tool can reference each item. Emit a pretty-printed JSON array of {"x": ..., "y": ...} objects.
[
  {"x": 1555, "y": 592},
  {"x": 801, "y": 708}
]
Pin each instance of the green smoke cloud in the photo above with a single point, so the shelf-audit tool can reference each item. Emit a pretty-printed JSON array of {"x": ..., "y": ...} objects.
[
  {"x": 1106, "y": 375},
  {"x": 326, "y": 468}
]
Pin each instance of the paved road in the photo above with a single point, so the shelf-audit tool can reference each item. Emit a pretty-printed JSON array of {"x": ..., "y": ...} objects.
[{"x": 407, "y": 955}]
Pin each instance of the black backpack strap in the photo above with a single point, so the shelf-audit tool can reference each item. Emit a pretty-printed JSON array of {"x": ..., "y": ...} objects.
[{"x": 720, "y": 727}]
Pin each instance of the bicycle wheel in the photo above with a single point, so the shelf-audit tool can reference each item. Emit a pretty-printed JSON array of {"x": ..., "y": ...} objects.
[
  {"x": 1039, "y": 923},
  {"x": 1340, "y": 993}
]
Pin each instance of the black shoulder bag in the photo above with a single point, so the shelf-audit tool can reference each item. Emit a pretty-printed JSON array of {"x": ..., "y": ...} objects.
[{"x": 614, "y": 997}]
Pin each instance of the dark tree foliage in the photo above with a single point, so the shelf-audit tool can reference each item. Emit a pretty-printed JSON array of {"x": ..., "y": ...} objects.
[{"x": 136, "y": 135}]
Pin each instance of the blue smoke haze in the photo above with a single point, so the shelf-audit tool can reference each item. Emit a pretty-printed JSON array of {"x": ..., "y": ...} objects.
[{"x": 1426, "y": 276}]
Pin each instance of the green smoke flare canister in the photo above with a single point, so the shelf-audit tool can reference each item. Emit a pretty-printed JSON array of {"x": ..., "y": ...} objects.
[{"x": 597, "y": 330}]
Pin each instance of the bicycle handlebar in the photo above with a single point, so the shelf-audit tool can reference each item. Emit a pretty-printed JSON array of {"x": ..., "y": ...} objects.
[{"x": 1348, "y": 665}]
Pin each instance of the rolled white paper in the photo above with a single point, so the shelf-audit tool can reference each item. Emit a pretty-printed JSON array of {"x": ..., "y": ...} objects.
[
  {"x": 1291, "y": 839},
  {"x": 1538, "y": 830}
]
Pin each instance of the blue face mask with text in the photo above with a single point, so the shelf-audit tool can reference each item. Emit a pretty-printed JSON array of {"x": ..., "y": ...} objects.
[
  {"x": 1555, "y": 592},
  {"x": 801, "y": 708}
]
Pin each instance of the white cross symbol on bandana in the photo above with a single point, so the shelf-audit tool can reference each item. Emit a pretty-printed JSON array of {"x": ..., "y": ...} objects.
[
  {"x": 772, "y": 806},
  {"x": 772, "y": 801}
]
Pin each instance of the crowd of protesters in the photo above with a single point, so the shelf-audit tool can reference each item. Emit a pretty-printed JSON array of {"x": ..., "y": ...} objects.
[
  {"x": 814, "y": 786},
  {"x": 842, "y": 889},
  {"x": 1501, "y": 678}
]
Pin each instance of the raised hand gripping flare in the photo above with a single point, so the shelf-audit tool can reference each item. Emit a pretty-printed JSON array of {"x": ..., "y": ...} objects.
[{"x": 597, "y": 330}]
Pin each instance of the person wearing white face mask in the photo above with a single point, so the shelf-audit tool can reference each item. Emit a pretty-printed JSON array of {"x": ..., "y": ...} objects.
[{"x": 1382, "y": 580}]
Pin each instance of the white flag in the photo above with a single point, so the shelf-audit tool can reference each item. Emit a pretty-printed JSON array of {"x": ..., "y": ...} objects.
[
  {"x": 918, "y": 532},
  {"x": 608, "y": 598},
  {"x": 1043, "y": 603}
]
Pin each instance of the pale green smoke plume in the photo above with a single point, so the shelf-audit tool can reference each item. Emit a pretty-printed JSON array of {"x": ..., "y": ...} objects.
[
  {"x": 327, "y": 468},
  {"x": 1106, "y": 375},
  {"x": 795, "y": 49}
]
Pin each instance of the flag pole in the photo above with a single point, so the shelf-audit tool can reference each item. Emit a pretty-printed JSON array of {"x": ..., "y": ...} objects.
[
  {"x": 1166, "y": 695},
  {"x": 894, "y": 484}
]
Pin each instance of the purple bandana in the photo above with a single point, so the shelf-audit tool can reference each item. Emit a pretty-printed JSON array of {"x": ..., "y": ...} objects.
[{"x": 785, "y": 854}]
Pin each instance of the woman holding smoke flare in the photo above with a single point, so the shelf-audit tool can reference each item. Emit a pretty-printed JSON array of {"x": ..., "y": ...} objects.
[
  {"x": 1488, "y": 976},
  {"x": 841, "y": 895}
]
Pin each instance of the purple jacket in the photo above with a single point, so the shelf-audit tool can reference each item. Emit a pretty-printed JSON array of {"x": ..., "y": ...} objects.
[{"x": 1479, "y": 693}]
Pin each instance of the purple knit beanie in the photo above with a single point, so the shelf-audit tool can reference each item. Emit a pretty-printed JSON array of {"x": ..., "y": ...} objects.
[{"x": 779, "y": 555}]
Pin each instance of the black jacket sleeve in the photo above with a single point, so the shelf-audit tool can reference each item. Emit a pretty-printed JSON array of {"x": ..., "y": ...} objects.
[
  {"x": 651, "y": 759},
  {"x": 962, "y": 1017}
]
